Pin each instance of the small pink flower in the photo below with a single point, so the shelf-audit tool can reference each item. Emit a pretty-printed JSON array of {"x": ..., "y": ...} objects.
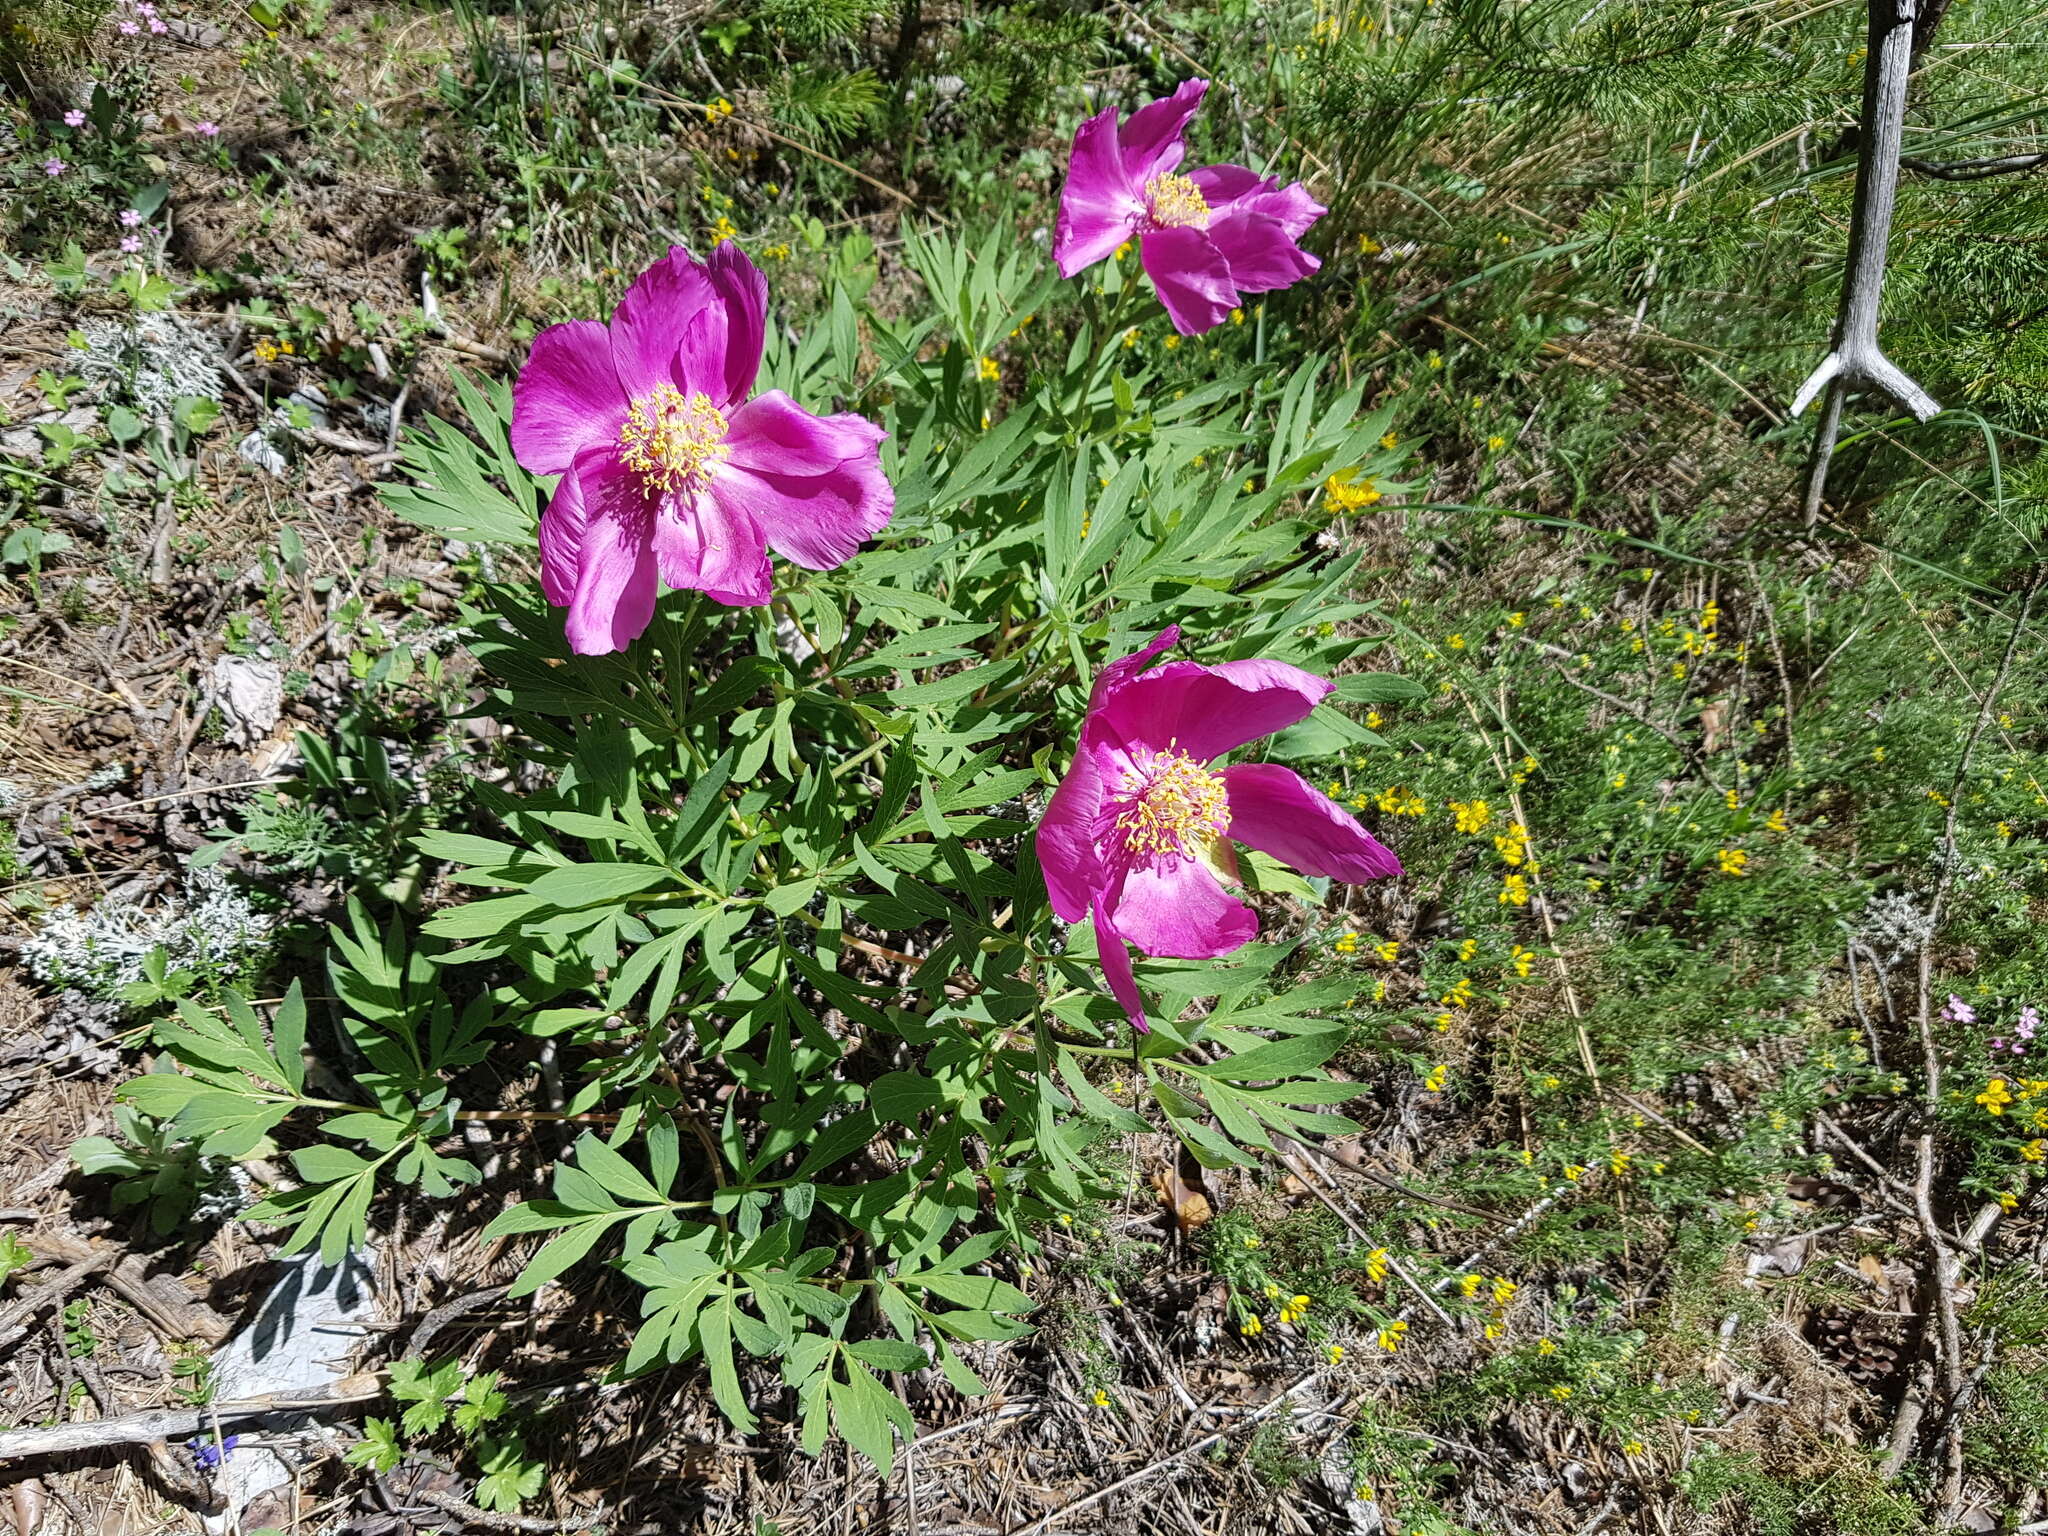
[
  {"x": 1958, "y": 1011},
  {"x": 74, "y": 118},
  {"x": 130, "y": 218},
  {"x": 1206, "y": 238},
  {"x": 54, "y": 167},
  {"x": 2030, "y": 1020},
  {"x": 129, "y": 29},
  {"x": 130, "y": 244},
  {"x": 671, "y": 466},
  {"x": 1135, "y": 836},
  {"x": 157, "y": 27},
  {"x": 207, "y": 130}
]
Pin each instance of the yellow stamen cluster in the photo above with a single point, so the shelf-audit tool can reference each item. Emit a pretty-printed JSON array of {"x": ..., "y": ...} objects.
[
  {"x": 1176, "y": 202},
  {"x": 672, "y": 441},
  {"x": 1177, "y": 806}
]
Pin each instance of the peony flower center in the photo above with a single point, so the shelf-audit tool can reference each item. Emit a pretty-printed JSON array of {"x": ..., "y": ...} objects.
[
  {"x": 1174, "y": 804},
  {"x": 1175, "y": 201},
  {"x": 672, "y": 440}
]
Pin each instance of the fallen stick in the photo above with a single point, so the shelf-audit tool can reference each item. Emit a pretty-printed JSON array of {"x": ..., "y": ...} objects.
[{"x": 178, "y": 1423}]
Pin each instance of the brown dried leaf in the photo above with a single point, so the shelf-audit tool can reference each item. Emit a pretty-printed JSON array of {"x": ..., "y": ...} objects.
[{"x": 1189, "y": 1205}]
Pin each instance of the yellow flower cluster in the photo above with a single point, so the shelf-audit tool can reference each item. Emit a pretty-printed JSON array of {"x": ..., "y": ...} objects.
[
  {"x": 1251, "y": 1327},
  {"x": 1400, "y": 801},
  {"x": 1349, "y": 491},
  {"x": 718, "y": 110},
  {"x": 1995, "y": 1096},
  {"x": 1460, "y": 995},
  {"x": 1523, "y": 960},
  {"x": 1514, "y": 891},
  {"x": 1618, "y": 1161},
  {"x": 991, "y": 370},
  {"x": 1295, "y": 1310},
  {"x": 1438, "y": 1076},
  {"x": 1388, "y": 950},
  {"x": 1513, "y": 845},
  {"x": 268, "y": 351},
  {"x": 777, "y": 252},
  {"x": 1456, "y": 642},
  {"x": 1468, "y": 949},
  {"x": 2035, "y": 1150},
  {"x": 1101, "y": 1398},
  {"x": 1522, "y": 773},
  {"x": 1776, "y": 822},
  {"x": 1734, "y": 862},
  {"x": 723, "y": 230},
  {"x": 1392, "y": 1334},
  {"x": 1473, "y": 815},
  {"x": 1468, "y": 1285},
  {"x": 1376, "y": 1265},
  {"x": 1347, "y": 945}
]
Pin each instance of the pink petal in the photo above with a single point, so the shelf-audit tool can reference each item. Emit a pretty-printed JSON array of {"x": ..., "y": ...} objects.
[
  {"x": 615, "y": 577},
  {"x": 1068, "y": 854},
  {"x": 1290, "y": 205},
  {"x": 710, "y": 545},
  {"x": 1273, "y": 810},
  {"x": 1222, "y": 185},
  {"x": 814, "y": 483},
  {"x": 745, "y": 292},
  {"x": 1191, "y": 276},
  {"x": 1207, "y": 711},
  {"x": 1116, "y": 969},
  {"x": 1151, "y": 138},
  {"x": 567, "y": 398},
  {"x": 1116, "y": 674},
  {"x": 1099, "y": 206},
  {"x": 564, "y": 524},
  {"x": 670, "y": 328},
  {"x": 1178, "y": 909},
  {"x": 1260, "y": 253}
]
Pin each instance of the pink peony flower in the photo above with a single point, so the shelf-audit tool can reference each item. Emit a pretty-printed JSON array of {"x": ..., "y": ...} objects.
[
  {"x": 74, "y": 118},
  {"x": 54, "y": 167},
  {"x": 1206, "y": 238},
  {"x": 1135, "y": 834},
  {"x": 669, "y": 468}
]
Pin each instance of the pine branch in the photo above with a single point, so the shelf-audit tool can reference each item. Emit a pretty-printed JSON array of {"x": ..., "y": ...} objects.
[{"x": 1975, "y": 170}]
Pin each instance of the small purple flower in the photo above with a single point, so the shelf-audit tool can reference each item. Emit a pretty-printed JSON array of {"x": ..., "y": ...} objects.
[
  {"x": 157, "y": 27},
  {"x": 206, "y": 1455},
  {"x": 74, "y": 118},
  {"x": 130, "y": 218},
  {"x": 54, "y": 167},
  {"x": 1958, "y": 1011},
  {"x": 1998, "y": 1044},
  {"x": 2030, "y": 1020},
  {"x": 130, "y": 244},
  {"x": 129, "y": 29},
  {"x": 207, "y": 130}
]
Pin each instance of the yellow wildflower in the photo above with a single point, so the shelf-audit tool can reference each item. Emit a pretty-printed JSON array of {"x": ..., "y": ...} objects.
[
  {"x": 1347, "y": 491},
  {"x": 1376, "y": 1265},
  {"x": 1391, "y": 1336},
  {"x": 1473, "y": 815},
  {"x": 1734, "y": 862},
  {"x": 1514, "y": 891}
]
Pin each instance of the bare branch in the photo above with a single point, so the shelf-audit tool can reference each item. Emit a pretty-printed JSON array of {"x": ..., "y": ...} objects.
[
  {"x": 1856, "y": 361},
  {"x": 1975, "y": 170}
]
